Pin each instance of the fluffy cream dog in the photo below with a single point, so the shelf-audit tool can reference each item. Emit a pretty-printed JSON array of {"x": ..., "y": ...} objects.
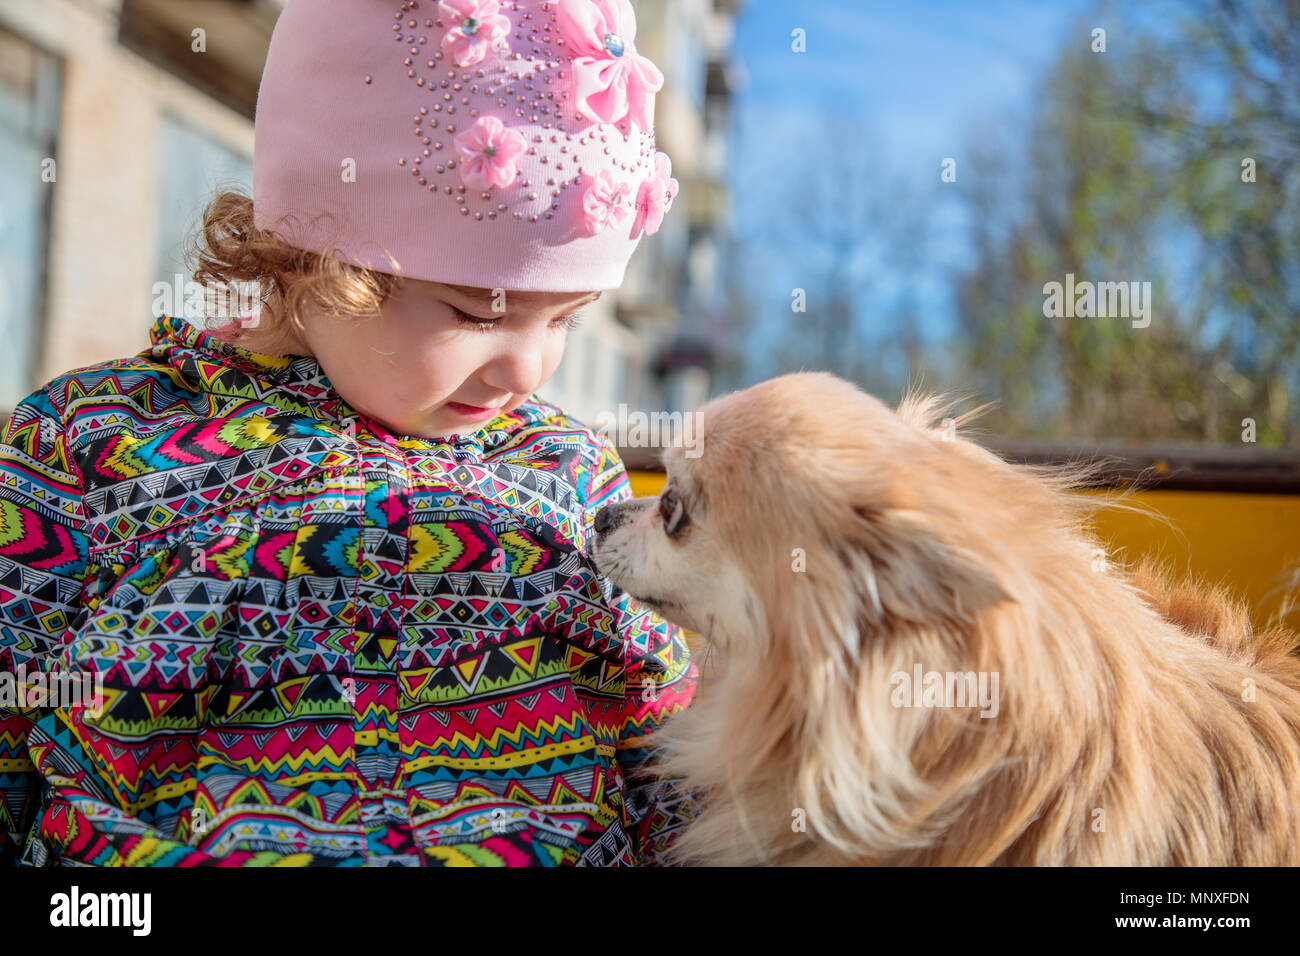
[{"x": 824, "y": 545}]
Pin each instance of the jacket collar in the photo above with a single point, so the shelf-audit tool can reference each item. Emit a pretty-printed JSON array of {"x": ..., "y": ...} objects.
[{"x": 299, "y": 383}]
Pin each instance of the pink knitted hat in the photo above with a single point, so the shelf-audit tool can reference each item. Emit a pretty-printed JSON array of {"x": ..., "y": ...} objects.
[{"x": 493, "y": 143}]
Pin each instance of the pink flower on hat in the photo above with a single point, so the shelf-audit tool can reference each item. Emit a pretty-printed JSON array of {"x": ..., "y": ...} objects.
[
  {"x": 654, "y": 197},
  {"x": 478, "y": 28},
  {"x": 611, "y": 80},
  {"x": 488, "y": 151},
  {"x": 605, "y": 203}
]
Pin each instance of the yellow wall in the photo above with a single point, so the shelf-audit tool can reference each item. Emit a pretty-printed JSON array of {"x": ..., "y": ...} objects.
[{"x": 1250, "y": 542}]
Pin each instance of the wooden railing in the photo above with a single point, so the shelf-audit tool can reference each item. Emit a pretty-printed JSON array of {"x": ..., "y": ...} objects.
[
  {"x": 1153, "y": 467},
  {"x": 1232, "y": 515}
]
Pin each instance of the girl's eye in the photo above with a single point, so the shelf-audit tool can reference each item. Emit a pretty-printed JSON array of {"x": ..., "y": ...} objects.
[
  {"x": 473, "y": 321},
  {"x": 566, "y": 322}
]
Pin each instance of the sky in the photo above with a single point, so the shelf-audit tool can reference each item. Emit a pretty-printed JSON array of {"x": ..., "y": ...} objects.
[
  {"x": 917, "y": 78},
  {"x": 920, "y": 69}
]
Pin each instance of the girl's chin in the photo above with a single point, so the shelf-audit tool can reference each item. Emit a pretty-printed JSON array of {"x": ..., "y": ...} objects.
[{"x": 445, "y": 421}]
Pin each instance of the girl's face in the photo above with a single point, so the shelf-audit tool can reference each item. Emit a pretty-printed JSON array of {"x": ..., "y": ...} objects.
[{"x": 441, "y": 359}]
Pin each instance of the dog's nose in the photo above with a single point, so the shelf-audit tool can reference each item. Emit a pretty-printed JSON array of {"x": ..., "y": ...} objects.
[{"x": 604, "y": 520}]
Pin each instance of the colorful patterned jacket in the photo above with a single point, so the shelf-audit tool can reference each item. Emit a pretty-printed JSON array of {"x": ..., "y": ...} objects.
[{"x": 319, "y": 643}]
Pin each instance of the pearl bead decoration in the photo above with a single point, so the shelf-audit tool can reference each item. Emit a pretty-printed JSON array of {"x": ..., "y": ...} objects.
[{"x": 527, "y": 88}]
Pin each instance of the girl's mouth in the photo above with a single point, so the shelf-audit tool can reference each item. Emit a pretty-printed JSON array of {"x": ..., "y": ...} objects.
[{"x": 474, "y": 412}]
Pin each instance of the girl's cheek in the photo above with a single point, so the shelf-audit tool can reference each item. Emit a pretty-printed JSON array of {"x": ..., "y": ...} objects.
[
  {"x": 556, "y": 353},
  {"x": 452, "y": 360}
]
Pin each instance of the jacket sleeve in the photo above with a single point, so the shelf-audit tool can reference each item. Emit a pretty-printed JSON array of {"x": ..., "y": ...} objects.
[
  {"x": 44, "y": 562},
  {"x": 660, "y": 681}
]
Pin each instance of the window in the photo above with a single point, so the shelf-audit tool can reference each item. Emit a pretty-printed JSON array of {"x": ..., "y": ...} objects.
[
  {"x": 193, "y": 167},
  {"x": 29, "y": 97}
]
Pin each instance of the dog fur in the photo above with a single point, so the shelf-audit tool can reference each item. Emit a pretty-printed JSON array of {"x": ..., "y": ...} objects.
[{"x": 1140, "y": 721}]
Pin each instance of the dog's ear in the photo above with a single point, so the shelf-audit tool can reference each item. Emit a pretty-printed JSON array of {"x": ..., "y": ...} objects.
[{"x": 914, "y": 572}]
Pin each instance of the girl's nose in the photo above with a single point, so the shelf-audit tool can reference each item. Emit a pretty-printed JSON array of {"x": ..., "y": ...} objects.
[{"x": 516, "y": 368}]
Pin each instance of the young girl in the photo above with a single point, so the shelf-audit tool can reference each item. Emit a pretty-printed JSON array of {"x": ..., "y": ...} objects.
[{"x": 328, "y": 569}]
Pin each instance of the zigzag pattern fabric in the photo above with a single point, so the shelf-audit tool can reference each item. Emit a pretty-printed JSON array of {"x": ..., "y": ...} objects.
[{"x": 319, "y": 643}]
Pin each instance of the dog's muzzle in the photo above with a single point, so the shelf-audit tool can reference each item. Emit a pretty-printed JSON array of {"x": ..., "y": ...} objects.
[
  {"x": 604, "y": 520},
  {"x": 610, "y": 517}
]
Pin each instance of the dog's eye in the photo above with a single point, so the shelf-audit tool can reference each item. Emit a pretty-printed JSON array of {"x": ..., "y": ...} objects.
[{"x": 672, "y": 509}]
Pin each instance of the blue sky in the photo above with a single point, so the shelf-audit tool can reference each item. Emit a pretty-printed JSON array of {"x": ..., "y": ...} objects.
[
  {"x": 920, "y": 69},
  {"x": 918, "y": 79}
]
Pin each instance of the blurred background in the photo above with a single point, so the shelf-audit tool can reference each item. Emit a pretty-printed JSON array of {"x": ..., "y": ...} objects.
[{"x": 878, "y": 189}]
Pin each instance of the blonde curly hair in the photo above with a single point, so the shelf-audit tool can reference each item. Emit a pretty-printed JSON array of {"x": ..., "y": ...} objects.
[{"x": 230, "y": 251}]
